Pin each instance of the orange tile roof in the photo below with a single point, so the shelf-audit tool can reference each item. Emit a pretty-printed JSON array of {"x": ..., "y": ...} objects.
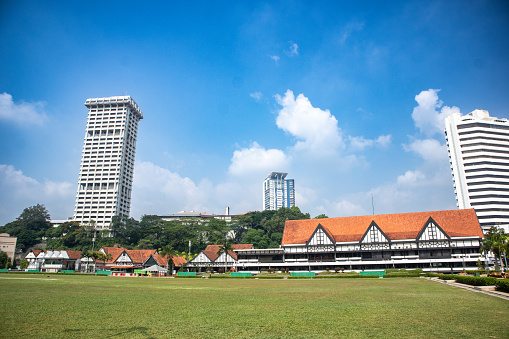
[
  {"x": 161, "y": 261},
  {"x": 456, "y": 223},
  {"x": 211, "y": 250}
]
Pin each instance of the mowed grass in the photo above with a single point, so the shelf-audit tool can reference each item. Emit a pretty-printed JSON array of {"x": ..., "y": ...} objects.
[{"x": 74, "y": 306}]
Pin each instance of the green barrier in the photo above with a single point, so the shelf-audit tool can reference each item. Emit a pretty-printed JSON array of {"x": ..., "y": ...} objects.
[
  {"x": 378, "y": 273},
  {"x": 4, "y": 270},
  {"x": 68, "y": 271},
  {"x": 103, "y": 272},
  {"x": 240, "y": 274},
  {"x": 33, "y": 271},
  {"x": 185, "y": 274},
  {"x": 138, "y": 271},
  {"x": 303, "y": 274}
]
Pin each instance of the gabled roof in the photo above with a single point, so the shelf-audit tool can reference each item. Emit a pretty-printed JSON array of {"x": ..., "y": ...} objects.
[
  {"x": 455, "y": 223},
  {"x": 161, "y": 261},
  {"x": 211, "y": 250}
]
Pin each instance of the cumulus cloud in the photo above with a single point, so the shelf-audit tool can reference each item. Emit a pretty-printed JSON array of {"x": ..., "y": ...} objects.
[
  {"x": 316, "y": 129},
  {"x": 426, "y": 116},
  {"x": 256, "y": 95},
  {"x": 431, "y": 150},
  {"x": 360, "y": 143},
  {"x": 21, "y": 112},
  {"x": 411, "y": 177},
  {"x": 20, "y": 190},
  {"x": 257, "y": 159}
]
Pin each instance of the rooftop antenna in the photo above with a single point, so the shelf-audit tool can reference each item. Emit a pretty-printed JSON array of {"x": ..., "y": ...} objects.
[{"x": 372, "y": 204}]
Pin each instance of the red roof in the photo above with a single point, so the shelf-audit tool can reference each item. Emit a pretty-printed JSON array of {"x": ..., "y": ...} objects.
[
  {"x": 456, "y": 223},
  {"x": 161, "y": 261},
  {"x": 212, "y": 250}
]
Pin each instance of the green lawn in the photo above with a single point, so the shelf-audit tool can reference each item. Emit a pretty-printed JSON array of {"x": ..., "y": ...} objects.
[{"x": 74, "y": 306}]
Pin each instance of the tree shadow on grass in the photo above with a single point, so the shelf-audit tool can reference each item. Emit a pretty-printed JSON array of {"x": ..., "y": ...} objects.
[{"x": 119, "y": 332}]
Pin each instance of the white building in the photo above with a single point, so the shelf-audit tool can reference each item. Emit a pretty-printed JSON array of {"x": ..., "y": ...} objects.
[
  {"x": 479, "y": 154},
  {"x": 107, "y": 162},
  {"x": 278, "y": 192},
  {"x": 437, "y": 241}
]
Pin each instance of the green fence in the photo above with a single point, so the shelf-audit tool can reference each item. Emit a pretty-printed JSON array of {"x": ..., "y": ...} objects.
[
  {"x": 303, "y": 274},
  {"x": 67, "y": 271},
  {"x": 185, "y": 274},
  {"x": 33, "y": 271},
  {"x": 240, "y": 274},
  {"x": 4, "y": 270},
  {"x": 378, "y": 273},
  {"x": 103, "y": 272}
]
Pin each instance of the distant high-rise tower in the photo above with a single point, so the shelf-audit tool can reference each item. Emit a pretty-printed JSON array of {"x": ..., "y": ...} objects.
[
  {"x": 278, "y": 191},
  {"x": 479, "y": 154},
  {"x": 107, "y": 162}
]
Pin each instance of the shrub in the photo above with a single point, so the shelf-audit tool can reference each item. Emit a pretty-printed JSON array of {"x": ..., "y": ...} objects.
[
  {"x": 502, "y": 285},
  {"x": 476, "y": 281},
  {"x": 220, "y": 270},
  {"x": 336, "y": 269}
]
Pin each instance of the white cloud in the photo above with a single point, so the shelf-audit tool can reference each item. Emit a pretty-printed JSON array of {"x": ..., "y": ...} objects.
[
  {"x": 411, "y": 177},
  {"x": 426, "y": 116},
  {"x": 317, "y": 130},
  {"x": 256, "y": 95},
  {"x": 20, "y": 191},
  {"x": 293, "y": 50},
  {"x": 431, "y": 150},
  {"x": 275, "y": 58},
  {"x": 22, "y": 112},
  {"x": 360, "y": 143},
  {"x": 257, "y": 159}
]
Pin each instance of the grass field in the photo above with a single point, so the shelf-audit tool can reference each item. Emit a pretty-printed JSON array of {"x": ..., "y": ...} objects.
[{"x": 74, "y": 306}]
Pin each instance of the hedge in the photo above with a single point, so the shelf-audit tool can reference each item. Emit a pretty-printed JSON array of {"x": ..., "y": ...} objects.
[
  {"x": 402, "y": 275},
  {"x": 476, "y": 281},
  {"x": 502, "y": 285}
]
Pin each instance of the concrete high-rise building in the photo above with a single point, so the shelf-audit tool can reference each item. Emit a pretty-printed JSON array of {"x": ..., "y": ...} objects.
[
  {"x": 107, "y": 161},
  {"x": 479, "y": 154},
  {"x": 278, "y": 191}
]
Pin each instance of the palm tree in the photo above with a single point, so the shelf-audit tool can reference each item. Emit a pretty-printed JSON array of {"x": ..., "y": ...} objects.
[
  {"x": 89, "y": 255},
  {"x": 225, "y": 249},
  {"x": 103, "y": 257},
  {"x": 169, "y": 253},
  {"x": 495, "y": 242}
]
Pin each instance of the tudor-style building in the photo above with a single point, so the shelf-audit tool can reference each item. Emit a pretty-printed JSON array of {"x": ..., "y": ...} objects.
[
  {"x": 128, "y": 260},
  {"x": 209, "y": 258},
  {"x": 53, "y": 261},
  {"x": 445, "y": 241}
]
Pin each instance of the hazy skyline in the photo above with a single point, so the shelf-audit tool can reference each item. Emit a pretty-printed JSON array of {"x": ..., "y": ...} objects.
[{"x": 348, "y": 99}]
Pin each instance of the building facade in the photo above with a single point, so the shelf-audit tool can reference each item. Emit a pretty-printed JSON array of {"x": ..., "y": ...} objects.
[
  {"x": 278, "y": 191},
  {"x": 107, "y": 161},
  {"x": 8, "y": 245},
  {"x": 439, "y": 241},
  {"x": 479, "y": 154}
]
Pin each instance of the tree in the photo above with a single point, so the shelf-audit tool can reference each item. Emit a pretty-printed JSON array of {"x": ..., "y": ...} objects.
[
  {"x": 169, "y": 253},
  {"x": 321, "y": 216},
  {"x": 5, "y": 261},
  {"x": 103, "y": 257},
  {"x": 24, "y": 264},
  {"x": 29, "y": 227},
  {"x": 495, "y": 241},
  {"x": 225, "y": 249}
]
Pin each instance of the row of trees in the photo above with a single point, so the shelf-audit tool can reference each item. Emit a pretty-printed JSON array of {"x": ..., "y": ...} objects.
[{"x": 263, "y": 229}]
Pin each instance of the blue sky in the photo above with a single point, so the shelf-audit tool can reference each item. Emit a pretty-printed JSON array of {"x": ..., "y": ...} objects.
[{"x": 346, "y": 97}]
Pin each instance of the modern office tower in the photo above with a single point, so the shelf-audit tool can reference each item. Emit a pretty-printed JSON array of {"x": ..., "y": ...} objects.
[
  {"x": 278, "y": 191},
  {"x": 107, "y": 162},
  {"x": 479, "y": 154}
]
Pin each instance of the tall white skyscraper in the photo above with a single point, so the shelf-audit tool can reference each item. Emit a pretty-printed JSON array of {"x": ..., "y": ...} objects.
[
  {"x": 278, "y": 191},
  {"x": 479, "y": 154},
  {"x": 107, "y": 161}
]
